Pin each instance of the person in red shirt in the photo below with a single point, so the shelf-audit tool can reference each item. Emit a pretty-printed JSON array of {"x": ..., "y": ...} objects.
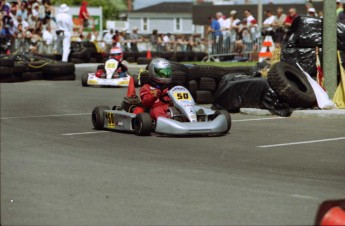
[
  {"x": 84, "y": 16},
  {"x": 289, "y": 19},
  {"x": 153, "y": 95}
]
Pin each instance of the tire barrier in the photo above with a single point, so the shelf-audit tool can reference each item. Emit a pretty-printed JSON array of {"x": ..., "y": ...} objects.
[{"x": 25, "y": 66}]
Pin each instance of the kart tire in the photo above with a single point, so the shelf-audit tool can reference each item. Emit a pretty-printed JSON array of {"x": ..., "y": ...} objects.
[
  {"x": 98, "y": 117},
  {"x": 203, "y": 97},
  {"x": 291, "y": 85},
  {"x": 227, "y": 116},
  {"x": 207, "y": 84},
  {"x": 84, "y": 79},
  {"x": 143, "y": 124}
]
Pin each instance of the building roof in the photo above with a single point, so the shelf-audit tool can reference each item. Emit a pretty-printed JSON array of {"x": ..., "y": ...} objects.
[{"x": 168, "y": 7}]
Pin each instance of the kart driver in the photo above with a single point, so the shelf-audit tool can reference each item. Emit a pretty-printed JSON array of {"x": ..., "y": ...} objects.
[
  {"x": 117, "y": 54},
  {"x": 154, "y": 95}
]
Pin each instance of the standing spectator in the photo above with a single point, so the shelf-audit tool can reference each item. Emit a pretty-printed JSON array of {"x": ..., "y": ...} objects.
[
  {"x": 222, "y": 22},
  {"x": 48, "y": 40},
  {"x": 20, "y": 20},
  {"x": 279, "y": 27},
  {"x": 267, "y": 25},
  {"x": 312, "y": 12},
  {"x": 135, "y": 38},
  {"x": 49, "y": 12},
  {"x": 108, "y": 37},
  {"x": 216, "y": 34},
  {"x": 248, "y": 16},
  {"x": 84, "y": 16},
  {"x": 167, "y": 42},
  {"x": 341, "y": 15},
  {"x": 340, "y": 7},
  {"x": 234, "y": 27},
  {"x": 64, "y": 30},
  {"x": 154, "y": 40},
  {"x": 23, "y": 10},
  {"x": 289, "y": 19},
  {"x": 7, "y": 30},
  {"x": 308, "y": 7}
]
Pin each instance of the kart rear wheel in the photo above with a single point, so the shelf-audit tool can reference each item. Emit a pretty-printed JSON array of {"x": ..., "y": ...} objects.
[
  {"x": 84, "y": 79},
  {"x": 143, "y": 124},
  {"x": 98, "y": 117},
  {"x": 227, "y": 116}
]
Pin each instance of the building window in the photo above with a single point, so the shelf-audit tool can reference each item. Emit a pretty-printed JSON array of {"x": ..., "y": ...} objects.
[
  {"x": 178, "y": 24},
  {"x": 145, "y": 24}
]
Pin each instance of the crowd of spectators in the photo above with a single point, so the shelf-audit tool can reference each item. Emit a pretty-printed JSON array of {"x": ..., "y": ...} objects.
[{"x": 30, "y": 26}]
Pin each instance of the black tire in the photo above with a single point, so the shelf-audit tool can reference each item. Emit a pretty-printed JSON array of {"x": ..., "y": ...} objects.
[
  {"x": 176, "y": 66},
  {"x": 58, "y": 69},
  {"x": 192, "y": 87},
  {"x": 143, "y": 124},
  {"x": 10, "y": 79},
  {"x": 227, "y": 116},
  {"x": 98, "y": 117},
  {"x": 6, "y": 61},
  {"x": 70, "y": 77},
  {"x": 217, "y": 73},
  {"x": 19, "y": 68},
  {"x": 83, "y": 54},
  {"x": 37, "y": 66},
  {"x": 291, "y": 85},
  {"x": 27, "y": 76},
  {"x": 207, "y": 84},
  {"x": 179, "y": 77},
  {"x": 143, "y": 60},
  {"x": 6, "y": 72},
  {"x": 203, "y": 97},
  {"x": 84, "y": 79},
  {"x": 77, "y": 61}
]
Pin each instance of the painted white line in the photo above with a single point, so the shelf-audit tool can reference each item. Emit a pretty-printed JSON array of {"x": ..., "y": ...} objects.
[
  {"x": 303, "y": 196},
  {"x": 256, "y": 119},
  {"x": 44, "y": 116},
  {"x": 301, "y": 142},
  {"x": 83, "y": 133}
]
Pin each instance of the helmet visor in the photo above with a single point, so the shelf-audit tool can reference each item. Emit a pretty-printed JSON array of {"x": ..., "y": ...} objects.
[{"x": 163, "y": 72}]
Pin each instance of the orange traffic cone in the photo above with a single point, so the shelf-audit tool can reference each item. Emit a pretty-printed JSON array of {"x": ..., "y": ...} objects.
[
  {"x": 131, "y": 88},
  {"x": 148, "y": 54},
  {"x": 266, "y": 49}
]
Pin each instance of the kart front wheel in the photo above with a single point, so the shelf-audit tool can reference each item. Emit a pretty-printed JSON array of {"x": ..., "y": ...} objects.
[
  {"x": 227, "y": 116},
  {"x": 84, "y": 79},
  {"x": 98, "y": 117},
  {"x": 143, "y": 124}
]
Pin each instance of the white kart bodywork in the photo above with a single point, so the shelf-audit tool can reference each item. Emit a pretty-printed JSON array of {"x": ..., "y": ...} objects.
[{"x": 111, "y": 78}]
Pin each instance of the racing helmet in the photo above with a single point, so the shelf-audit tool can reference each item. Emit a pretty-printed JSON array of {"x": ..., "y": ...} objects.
[
  {"x": 116, "y": 53},
  {"x": 160, "y": 71}
]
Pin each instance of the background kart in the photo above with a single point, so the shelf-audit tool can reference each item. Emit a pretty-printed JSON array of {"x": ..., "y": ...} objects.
[
  {"x": 106, "y": 75},
  {"x": 185, "y": 118}
]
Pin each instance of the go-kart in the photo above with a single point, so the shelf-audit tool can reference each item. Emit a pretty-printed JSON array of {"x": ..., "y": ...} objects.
[
  {"x": 184, "y": 117},
  {"x": 106, "y": 75}
]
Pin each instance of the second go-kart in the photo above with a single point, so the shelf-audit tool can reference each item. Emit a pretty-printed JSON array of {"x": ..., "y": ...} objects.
[
  {"x": 184, "y": 117},
  {"x": 107, "y": 75}
]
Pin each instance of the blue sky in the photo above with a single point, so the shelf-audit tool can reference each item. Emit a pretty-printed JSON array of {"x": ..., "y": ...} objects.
[{"x": 137, "y": 4}]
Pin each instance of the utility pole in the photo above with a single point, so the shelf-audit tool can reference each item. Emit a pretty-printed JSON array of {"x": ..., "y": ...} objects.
[{"x": 329, "y": 44}]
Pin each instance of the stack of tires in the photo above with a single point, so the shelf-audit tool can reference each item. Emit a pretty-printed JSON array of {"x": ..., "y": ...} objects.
[
  {"x": 25, "y": 67},
  {"x": 201, "y": 81},
  {"x": 84, "y": 52}
]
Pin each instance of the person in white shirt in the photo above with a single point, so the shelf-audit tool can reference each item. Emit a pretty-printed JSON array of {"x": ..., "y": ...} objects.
[
  {"x": 64, "y": 31},
  {"x": 108, "y": 40},
  {"x": 48, "y": 40},
  {"x": 267, "y": 25}
]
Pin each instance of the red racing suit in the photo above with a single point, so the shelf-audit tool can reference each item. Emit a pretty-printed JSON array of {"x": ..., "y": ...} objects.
[{"x": 155, "y": 99}]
